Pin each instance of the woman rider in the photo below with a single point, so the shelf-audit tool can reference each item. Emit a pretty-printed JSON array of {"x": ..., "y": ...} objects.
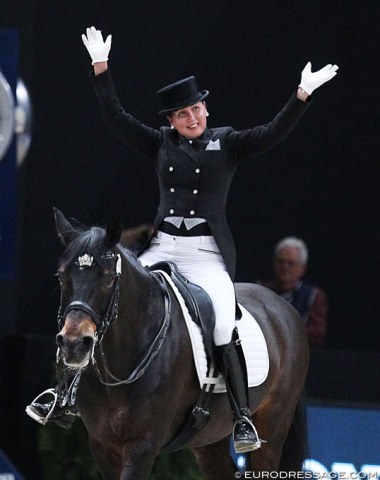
[{"x": 195, "y": 165}]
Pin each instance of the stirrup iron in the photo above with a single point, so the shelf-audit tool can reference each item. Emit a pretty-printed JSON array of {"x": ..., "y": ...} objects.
[
  {"x": 43, "y": 421},
  {"x": 247, "y": 447}
]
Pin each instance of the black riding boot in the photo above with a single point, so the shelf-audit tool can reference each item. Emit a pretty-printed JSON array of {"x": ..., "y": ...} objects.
[
  {"x": 232, "y": 365},
  {"x": 62, "y": 410}
]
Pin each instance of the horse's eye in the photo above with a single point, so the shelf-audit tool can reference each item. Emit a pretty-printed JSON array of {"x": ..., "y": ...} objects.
[{"x": 109, "y": 279}]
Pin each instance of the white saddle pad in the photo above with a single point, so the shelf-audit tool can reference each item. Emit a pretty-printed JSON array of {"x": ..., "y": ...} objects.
[{"x": 252, "y": 340}]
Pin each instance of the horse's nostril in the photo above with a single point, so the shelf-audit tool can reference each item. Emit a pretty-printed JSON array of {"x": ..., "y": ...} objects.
[
  {"x": 59, "y": 340},
  {"x": 88, "y": 342}
]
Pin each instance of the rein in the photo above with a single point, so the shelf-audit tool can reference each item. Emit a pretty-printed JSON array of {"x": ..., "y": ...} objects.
[{"x": 153, "y": 350}]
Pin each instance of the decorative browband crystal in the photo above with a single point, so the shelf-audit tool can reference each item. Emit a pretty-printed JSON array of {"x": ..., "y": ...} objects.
[{"x": 85, "y": 260}]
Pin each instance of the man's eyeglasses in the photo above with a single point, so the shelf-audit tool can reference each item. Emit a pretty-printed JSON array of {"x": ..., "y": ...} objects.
[{"x": 289, "y": 263}]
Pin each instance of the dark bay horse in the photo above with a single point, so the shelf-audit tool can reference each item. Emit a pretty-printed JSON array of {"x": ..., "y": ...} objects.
[{"x": 127, "y": 335}]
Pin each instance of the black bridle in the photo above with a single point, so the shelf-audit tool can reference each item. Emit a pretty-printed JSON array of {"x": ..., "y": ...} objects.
[{"x": 102, "y": 322}]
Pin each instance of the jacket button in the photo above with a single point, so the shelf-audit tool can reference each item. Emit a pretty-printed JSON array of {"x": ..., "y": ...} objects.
[
  {"x": 172, "y": 190},
  {"x": 192, "y": 212},
  {"x": 197, "y": 170},
  {"x": 171, "y": 169},
  {"x": 171, "y": 211},
  {"x": 195, "y": 192}
]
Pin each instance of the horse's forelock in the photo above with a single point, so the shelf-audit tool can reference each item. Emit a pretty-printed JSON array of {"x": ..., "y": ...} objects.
[
  {"x": 90, "y": 241},
  {"x": 93, "y": 242}
]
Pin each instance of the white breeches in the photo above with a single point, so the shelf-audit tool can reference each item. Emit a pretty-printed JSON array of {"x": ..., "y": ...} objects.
[{"x": 199, "y": 260}]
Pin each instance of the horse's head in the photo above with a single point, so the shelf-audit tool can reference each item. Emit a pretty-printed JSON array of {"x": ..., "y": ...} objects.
[{"x": 88, "y": 272}]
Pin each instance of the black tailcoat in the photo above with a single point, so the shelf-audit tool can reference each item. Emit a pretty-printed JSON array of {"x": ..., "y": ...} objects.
[{"x": 194, "y": 182}]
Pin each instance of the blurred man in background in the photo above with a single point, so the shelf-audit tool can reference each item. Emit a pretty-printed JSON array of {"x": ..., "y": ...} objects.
[{"x": 289, "y": 267}]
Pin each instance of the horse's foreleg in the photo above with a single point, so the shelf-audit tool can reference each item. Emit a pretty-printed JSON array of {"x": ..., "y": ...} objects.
[
  {"x": 140, "y": 469},
  {"x": 133, "y": 461},
  {"x": 108, "y": 461},
  {"x": 215, "y": 461},
  {"x": 138, "y": 460}
]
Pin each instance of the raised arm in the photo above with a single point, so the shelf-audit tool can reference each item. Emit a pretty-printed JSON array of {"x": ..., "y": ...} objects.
[
  {"x": 97, "y": 48},
  {"x": 136, "y": 135},
  {"x": 310, "y": 81},
  {"x": 247, "y": 143}
]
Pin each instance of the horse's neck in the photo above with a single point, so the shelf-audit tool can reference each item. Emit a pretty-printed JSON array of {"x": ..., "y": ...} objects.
[{"x": 140, "y": 297}]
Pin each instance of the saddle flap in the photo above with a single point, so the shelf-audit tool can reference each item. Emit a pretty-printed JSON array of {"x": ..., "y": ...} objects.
[{"x": 197, "y": 302}]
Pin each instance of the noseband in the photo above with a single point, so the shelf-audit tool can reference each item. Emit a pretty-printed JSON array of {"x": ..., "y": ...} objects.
[{"x": 102, "y": 322}]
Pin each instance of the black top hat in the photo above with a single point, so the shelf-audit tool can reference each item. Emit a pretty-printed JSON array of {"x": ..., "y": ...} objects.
[{"x": 180, "y": 94}]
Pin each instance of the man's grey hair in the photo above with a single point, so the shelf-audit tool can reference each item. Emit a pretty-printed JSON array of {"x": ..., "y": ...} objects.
[{"x": 293, "y": 242}]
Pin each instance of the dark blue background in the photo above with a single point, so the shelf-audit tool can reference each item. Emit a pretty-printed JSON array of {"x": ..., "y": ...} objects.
[
  {"x": 9, "y": 62},
  {"x": 343, "y": 434}
]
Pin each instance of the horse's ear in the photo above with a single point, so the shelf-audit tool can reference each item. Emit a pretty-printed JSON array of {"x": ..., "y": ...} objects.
[
  {"x": 135, "y": 238},
  {"x": 64, "y": 228},
  {"x": 113, "y": 231}
]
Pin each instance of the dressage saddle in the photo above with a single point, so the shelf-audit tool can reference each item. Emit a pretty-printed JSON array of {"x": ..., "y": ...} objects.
[{"x": 197, "y": 302}]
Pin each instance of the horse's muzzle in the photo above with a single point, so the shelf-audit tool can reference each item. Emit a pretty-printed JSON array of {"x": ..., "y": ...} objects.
[{"x": 76, "y": 340}]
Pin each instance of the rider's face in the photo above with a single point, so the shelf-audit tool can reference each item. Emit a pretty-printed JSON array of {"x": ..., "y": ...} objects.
[{"x": 190, "y": 121}]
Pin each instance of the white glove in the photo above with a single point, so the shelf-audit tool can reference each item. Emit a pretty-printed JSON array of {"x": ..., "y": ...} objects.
[
  {"x": 312, "y": 80},
  {"x": 96, "y": 47}
]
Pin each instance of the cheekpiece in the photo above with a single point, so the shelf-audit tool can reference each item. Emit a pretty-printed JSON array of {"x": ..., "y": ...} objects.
[
  {"x": 85, "y": 260},
  {"x": 114, "y": 256}
]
